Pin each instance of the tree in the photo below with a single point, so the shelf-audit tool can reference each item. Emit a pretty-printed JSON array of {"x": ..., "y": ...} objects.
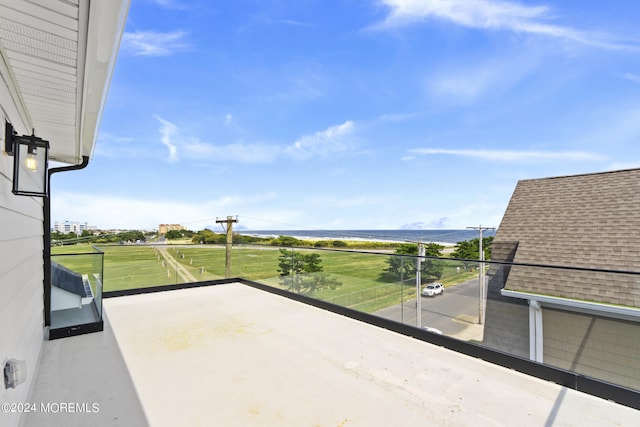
[
  {"x": 209, "y": 237},
  {"x": 405, "y": 266},
  {"x": 130, "y": 236},
  {"x": 179, "y": 234},
  {"x": 303, "y": 273},
  {"x": 487, "y": 244},
  {"x": 470, "y": 250},
  {"x": 285, "y": 241}
]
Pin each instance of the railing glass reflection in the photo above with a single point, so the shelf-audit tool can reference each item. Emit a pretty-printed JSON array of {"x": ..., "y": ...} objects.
[{"x": 76, "y": 289}]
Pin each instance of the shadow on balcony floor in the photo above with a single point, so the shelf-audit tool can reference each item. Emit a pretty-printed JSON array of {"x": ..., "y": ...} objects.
[{"x": 88, "y": 372}]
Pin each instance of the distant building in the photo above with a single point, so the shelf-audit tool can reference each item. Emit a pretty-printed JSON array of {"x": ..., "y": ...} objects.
[
  {"x": 163, "y": 228},
  {"x": 71, "y": 227}
]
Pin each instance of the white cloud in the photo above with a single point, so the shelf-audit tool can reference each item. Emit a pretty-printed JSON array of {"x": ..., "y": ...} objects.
[
  {"x": 436, "y": 223},
  {"x": 170, "y": 4},
  {"x": 322, "y": 143},
  {"x": 261, "y": 20},
  {"x": 632, "y": 77},
  {"x": 113, "y": 146},
  {"x": 291, "y": 22},
  {"x": 192, "y": 148},
  {"x": 97, "y": 209},
  {"x": 167, "y": 130},
  {"x": 400, "y": 117},
  {"x": 292, "y": 81},
  {"x": 152, "y": 43},
  {"x": 514, "y": 156},
  {"x": 466, "y": 85},
  {"x": 237, "y": 152},
  {"x": 470, "y": 81},
  {"x": 333, "y": 139},
  {"x": 624, "y": 165},
  {"x": 494, "y": 15}
]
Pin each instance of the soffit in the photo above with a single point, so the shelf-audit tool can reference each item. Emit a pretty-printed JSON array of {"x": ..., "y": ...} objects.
[{"x": 60, "y": 55}]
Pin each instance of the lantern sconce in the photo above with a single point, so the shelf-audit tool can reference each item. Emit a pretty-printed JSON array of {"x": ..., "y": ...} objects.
[
  {"x": 30, "y": 162},
  {"x": 15, "y": 373}
]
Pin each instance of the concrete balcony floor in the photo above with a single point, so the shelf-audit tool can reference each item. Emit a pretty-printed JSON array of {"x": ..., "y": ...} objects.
[{"x": 232, "y": 355}]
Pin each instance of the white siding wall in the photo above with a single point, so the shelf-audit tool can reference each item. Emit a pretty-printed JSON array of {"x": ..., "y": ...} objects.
[{"x": 21, "y": 271}]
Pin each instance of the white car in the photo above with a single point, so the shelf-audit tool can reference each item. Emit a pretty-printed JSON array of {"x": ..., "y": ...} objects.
[{"x": 433, "y": 289}]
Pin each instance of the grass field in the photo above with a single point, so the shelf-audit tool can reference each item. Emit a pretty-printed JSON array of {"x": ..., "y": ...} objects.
[
  {"x": 125, "y": 267},
  {"x": 365, "y": 284}
]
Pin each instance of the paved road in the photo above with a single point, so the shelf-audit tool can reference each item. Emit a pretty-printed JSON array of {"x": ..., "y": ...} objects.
[{"x": 453, "y": 313}]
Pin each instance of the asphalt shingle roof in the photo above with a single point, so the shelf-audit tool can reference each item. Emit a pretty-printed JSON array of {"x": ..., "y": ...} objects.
[
  {"x": 590, "y": 221},
  {"x": 69, "y": 280}
]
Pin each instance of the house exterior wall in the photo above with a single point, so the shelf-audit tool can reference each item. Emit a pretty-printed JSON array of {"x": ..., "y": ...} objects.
[
  {"x": 506, "y": 324},
  {"x": 603, "y": 348},
  {"x": 164, "y": 228},
  {"x": 21, "y": 268}
]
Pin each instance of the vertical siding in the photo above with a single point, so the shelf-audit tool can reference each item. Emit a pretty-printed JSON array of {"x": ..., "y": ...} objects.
[
  {"x": 607, "y": 349},
  {"x": 21, "y": 276}
]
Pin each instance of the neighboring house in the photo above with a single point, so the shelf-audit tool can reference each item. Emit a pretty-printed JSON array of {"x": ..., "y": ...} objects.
[
  {"x": 69, "y": 289},
  {"x": 579, "y": 320}
]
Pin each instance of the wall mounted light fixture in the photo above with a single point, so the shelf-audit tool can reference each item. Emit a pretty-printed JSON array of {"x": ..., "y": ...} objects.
[
  {"x": 15, "y": 373},
  {"x": 30, "y": 162}
]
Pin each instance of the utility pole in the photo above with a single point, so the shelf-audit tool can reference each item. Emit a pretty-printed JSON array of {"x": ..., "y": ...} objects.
[
  {"x": 421, "y": 253},
  {"x": 481, "y": 290},
  {"x": 229, "y": 230},
  {"x": 419, "y": 285}
]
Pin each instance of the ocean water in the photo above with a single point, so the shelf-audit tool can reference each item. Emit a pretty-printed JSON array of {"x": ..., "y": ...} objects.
[{"x": 437, "y": 236}]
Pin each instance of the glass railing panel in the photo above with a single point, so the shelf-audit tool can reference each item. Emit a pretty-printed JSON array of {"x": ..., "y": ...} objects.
[
  {"x": 582, "y": 320},
  {"x": 588, "y": 320},
  {"x": 360, "y": 280},
  {"x": 259, "y": 263},
  {"x": 586, "y": 327},
  {"x": 76, "y": 289},
  {"x": 140, "y": 266},
  {"x": 444, "y": 300}
]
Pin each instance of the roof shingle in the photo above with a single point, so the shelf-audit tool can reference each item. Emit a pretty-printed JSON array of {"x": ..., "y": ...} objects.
[{"x": 590, "y": 221}]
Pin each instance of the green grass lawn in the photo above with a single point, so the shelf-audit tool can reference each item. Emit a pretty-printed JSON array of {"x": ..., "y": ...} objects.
[
  {"x": 128, "y": 267},
  {"x": 125, "y": 267},
  {"x": 84, "y": 260},
  {"x": 365, "y": 285}
]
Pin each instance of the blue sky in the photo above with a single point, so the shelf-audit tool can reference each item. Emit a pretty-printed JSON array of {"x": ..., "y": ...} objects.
[{"x": 355, "y": 114}]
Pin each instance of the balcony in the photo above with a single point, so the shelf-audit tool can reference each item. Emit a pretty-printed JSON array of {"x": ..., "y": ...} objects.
[
  {"x": 76, "y": 293},
  {"x": 268, "y": 349}
]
